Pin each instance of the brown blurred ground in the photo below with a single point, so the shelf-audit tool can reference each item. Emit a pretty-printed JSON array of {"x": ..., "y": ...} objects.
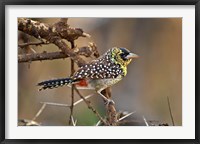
[{"x": 151, "y": 78}]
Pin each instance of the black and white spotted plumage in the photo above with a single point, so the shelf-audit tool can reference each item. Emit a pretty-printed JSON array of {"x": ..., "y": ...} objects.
[
  {"x": 101, "y": 68},
  {"x": 99, "y": 74},
  {"x": 50, "y": 84}
]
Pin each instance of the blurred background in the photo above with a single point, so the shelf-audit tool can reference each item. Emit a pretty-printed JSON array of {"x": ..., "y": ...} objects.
[{"x": 154, "y": 76}]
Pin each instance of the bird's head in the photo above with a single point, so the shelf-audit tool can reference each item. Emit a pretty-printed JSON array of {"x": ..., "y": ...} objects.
[{"x": 122, "y": 55}]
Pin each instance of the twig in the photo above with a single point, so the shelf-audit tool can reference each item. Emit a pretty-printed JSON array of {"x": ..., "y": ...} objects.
[
  {"x": 90, "y": 107},
  {"x": 56, "y": 104},
  {"x": 26, "y": 49},
  {"x": 86, "y": 97},
  {"x": 66, "y": 105},
  {"x": 86, "y": 51},
  {"x": 168, "y": 102},
  {"x": 72, "y": 88},
  {"x": 26, "y": 122},
  {"x": 31, "y": 43},
  {"x": 145, "y": 121},
  {"x": 39, "y": 112},
  {"x": 110, "y": 109},
  {"x": 126, "y": 116},
  {"x": 53, "y": 34},
  {"x": 40, "y": 56}
]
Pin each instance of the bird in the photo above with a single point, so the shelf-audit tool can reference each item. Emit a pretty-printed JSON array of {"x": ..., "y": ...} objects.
[{"x": 99, "y": 74}]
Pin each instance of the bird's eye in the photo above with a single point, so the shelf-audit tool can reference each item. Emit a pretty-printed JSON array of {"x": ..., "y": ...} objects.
[
  {"x": 123, "y": 53},
  {"x": 123, "y": 56}
]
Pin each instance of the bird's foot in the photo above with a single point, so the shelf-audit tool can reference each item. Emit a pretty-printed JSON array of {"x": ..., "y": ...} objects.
[{"x": 108, "y": 102}]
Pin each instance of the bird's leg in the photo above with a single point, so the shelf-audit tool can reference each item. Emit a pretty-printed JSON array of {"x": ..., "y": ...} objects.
[{"x": 108, "y": 101}]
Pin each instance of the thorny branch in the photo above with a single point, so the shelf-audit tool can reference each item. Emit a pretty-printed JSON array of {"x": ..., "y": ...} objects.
[
  {"x": 31, "y": 43},
  {"x": 90, "y": 107},
  {"x": 86, "y": 51},
  {"x": 66, "y": 105},
  {"x": 32, "y": 122},
  {"x": 72, "y": 88},
  {"x": 111, "y": 111},
  {"x": 55, "y": 34}
]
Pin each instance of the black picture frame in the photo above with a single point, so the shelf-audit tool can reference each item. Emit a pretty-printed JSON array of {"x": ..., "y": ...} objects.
[{"x": 98, "y": 2}]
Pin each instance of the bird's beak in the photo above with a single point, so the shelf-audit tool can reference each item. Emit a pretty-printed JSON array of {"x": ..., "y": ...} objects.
[{"x": 131, "y": 56}]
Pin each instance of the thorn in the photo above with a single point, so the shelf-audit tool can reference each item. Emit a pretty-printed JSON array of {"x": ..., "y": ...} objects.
[
  {"x": 98, "y": 123},
  {"x": 126, "y": 116},
  {"x": 86, "y": 35},
  {"x": 145, "y": 121}
]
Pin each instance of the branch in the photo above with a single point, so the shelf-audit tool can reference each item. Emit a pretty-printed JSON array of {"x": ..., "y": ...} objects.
[
  {"x": 111, "y": 111},
  {"x": 72, "y": 88},
  {"x": 66, "y": 105},
  {"x": 25, "y": 48},
  {"x": 170, "y": 111},
  {"x": 54, "y": 34},
  {"x": 86, "y": 51},
  {"x": 90, "y": 107},
  {"x": 31, "y": 43},
  {"x": 41, "y": 56}
]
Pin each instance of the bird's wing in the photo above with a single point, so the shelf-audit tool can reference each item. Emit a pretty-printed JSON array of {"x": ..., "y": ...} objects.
[{"x": 98, "y": 69}]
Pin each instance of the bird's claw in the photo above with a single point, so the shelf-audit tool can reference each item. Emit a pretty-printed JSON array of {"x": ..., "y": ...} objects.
[{"x": 109, "y": 101}]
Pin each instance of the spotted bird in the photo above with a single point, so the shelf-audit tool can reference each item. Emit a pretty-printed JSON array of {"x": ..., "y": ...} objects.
[{"x": 99, "y": 74}]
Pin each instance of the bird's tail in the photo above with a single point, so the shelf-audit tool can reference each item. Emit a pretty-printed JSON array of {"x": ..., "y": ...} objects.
[{"x": 50, "y": 84}]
